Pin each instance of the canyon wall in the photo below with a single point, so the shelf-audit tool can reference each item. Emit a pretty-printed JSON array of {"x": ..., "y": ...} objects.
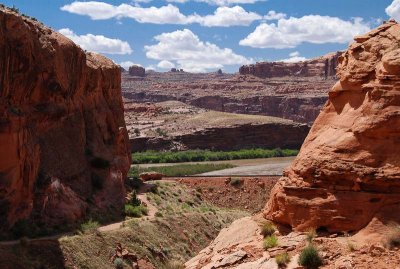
[
  {"x": 63, "y": 142},
  {"x": 348, "y": 170},
  {"x": 269, "y": 135},
  {"x": 324, "y": 66}
]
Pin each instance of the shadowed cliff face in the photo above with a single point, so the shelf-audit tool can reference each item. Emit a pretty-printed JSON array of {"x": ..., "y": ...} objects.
[
  {"x": 63, "y": 141},
  {"x": 348, "y": 170}
]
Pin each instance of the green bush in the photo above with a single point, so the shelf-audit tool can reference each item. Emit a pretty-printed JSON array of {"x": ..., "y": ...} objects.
[
  {"x": 207, "y": 155},
  {"x": 310, "y": 258},
  {"x": 119, "y": 263},
  {"x": 135, "y": 211},
  {"x": 268, "y": 229},
  {"x": 89, "y": 227},
  {"x": 282, "y": 259},
  {"x": 134, "y": 201},
  {"x": 270, "y": 242}
]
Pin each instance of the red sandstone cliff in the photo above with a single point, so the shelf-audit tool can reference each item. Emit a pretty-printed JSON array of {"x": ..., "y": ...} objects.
[
  {"x": 324, "y": 66},
  {"x": 63, "y": 142},
  {"x": 348, "y": 170}
]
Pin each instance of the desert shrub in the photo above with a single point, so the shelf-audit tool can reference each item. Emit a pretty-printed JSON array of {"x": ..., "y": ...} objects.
[
  {"x": 393, "y": 237},
  {"x": 89, "y": 226},
  {"x": 119, "y": 263},
  {"x": 135, "y": 211},
  {"x": 158, "y": 214},
  {"x": 282, "y": 259},
  {"x": 268, "y": 229},
  {"x": 270, "y": 242},
  {"x": 311, "y": 234},
  {"x": 134, "y": 201},
  {"x": 174, "y": 265},
  {"x": 310, "y": 258},
  {"x": 236, "y": 181},
  {"x": 351, "y": 246},
  {"x": 100, "y": 163}
]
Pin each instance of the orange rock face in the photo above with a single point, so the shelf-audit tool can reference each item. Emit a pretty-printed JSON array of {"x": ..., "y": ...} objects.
[
  {"x": 348, "y": 170},
  {"x": 63, "y": 141}
]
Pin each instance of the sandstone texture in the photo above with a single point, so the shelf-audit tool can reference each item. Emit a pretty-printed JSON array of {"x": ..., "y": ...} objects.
[
  {"x": 297, "y": 98},
  {"x": 348, "y": 170},
  {"x": 63, "y": 141},
  {"x": 173, "y": 125},
  {"x": 324, "y": 66},
  {"x": 137, "y": 71}
]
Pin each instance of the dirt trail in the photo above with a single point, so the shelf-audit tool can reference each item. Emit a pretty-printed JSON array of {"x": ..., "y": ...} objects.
[{"x": 106, "y": 228}]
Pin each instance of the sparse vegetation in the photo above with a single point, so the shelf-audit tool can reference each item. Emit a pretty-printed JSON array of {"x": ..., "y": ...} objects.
[
  {"x": 268, "y": 229},
  {"x": 90, "y": 226},
  {"x": 161, "y": 132},
  {"x": 310, "y": 258},
  {"x": 135, "y": 211},
  {"x": 270, "y": 242},
  {"x": 393, "y": 237},
  {"x": 207, "y": 155},
  {"x": 119, "y": 263},
  {"x": 282, "y": 259},
  {"x": 174, "y": 265},
  {"x": 351, "y": 246},
  {"x": 311, "y": 234},
  {"x": 236, "y": 181},
  {"x": 182, "y": 169}
]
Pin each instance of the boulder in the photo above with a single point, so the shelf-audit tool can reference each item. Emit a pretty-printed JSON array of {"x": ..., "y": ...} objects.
[
  {"x": 63, "y": 139},
  {"x": 348, "y": 169},
  {"x": 149, "y": 176}
]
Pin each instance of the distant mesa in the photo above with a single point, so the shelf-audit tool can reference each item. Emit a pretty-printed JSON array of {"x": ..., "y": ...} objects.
[
  {"x": 324, "y": 66},
  {"x": 173, "y": 70},
  {"x": 138, "y": 71}
]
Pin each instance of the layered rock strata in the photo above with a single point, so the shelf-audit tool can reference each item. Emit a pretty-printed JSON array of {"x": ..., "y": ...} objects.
[
  {"x": 324, "y": 66},
  {"x": 348, "y": 170},
  {"x": 63, "y": 141}
]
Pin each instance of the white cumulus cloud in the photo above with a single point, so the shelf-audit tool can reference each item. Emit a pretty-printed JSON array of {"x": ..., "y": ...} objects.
[
  {"x": 291, "y": 32},
  {"x": 98, "y": 43},
  {"x": 273, "y": 15},
  {"x": 128, "y": 64},
  {"x": 187, "y": 51},
  {"x": 165, "y": 64},
  {"x": 294, "y": 57},
  {"x": 227, "y": 16},
  {"x": 169, "y": 14},
  {"x": 393, "y": 10},
  {"x": 219, "y": 2}
]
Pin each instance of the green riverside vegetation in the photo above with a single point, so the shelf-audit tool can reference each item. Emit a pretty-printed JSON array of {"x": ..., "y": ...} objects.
[
  {"x": 181, "y": 169},
  {"x": 207, "y": 155}
]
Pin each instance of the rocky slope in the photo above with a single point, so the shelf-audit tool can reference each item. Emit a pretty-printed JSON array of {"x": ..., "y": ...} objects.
[
  {"x": 324, "y": 66},
  {"x": 63, "y": 140},
  {"x": 345, "y": 181},
  {"x": 296, "y": 98},
  {"x": 175, "y": 125},
  {"x": 348, "y": 170}
]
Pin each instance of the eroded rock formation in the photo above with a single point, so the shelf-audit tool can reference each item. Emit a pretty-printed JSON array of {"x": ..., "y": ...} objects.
[
  {"x": 324, "y": 66},
  {"x": 63, "y": 142},
  {"x": 348, "y": 170},
  {"x": 136, "y": 70}
]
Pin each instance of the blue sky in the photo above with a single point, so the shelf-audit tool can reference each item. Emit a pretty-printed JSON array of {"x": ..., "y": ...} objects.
[{"x": 204, "y": 35}]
